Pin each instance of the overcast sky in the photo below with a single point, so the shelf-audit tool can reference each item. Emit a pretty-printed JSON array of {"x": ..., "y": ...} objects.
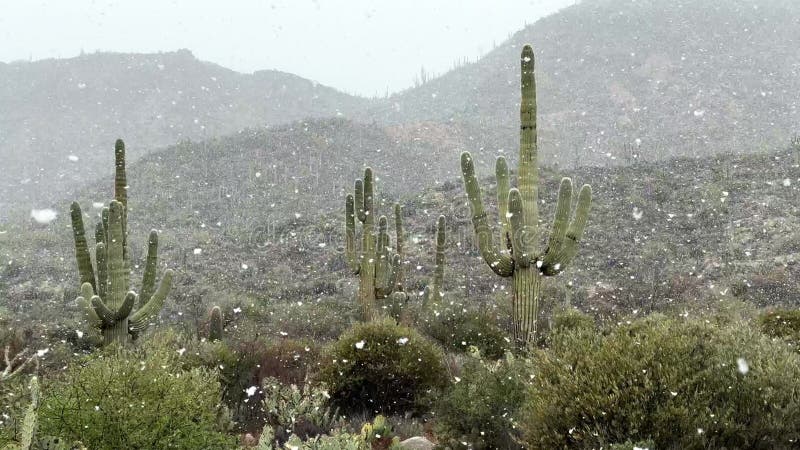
[{"x": 359, "y": 46}]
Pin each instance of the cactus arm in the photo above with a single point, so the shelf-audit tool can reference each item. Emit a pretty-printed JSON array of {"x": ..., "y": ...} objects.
[
  {"x": 368, "y": 196},
  {"x": 121, "y": 190},
  {"x": 560, "y": 222},
  {"x": 359, "y": 201},
  {"x": 500, "y": 263},
  {"x": 139, "y": 321},
  {"x": 503, "y": 186},
  {"x": 102, "y": 269},
  {"x": 84, "y": 258},
  {"x": 151, "y": 264},
  {"x": 350, "y": 235},
  {"x": 528, "y": 150},
  {"x": 388, "y": 278},
  {"x": 573, "y": 235},
  {"x": 117, "y": 269},
  {"x": 433, "y": 291},
  {"x": 104, "y": 221},
  {"x": 84, "y": 304},
  {"x": 99, "y": 234},
  {"x": 520, "y": 234},
  {"x": 399, "y": 245},
  {"x": 383, "y": 263},
  {"x": 106, "y": 315},
  {"x": 127, "y": 306}
]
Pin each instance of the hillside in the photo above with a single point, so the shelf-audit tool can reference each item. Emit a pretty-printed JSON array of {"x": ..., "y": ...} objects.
[
  {"x": 685, "y": 77},
  {"x": 57, "y": 115},
  {"x": 676, "y": 234}
]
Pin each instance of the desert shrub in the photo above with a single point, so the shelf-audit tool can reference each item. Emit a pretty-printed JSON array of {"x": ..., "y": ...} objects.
[
  {"x": 383, "y": 367},
  {"x": 689, "y": 384},
  {"x": 783, "y": 324},
  {"x": 136, "y": 399},
  {"x": 566, "y": 320},
  {"x": 457, "y": 331},
  {"x": 288, "y": 360},
  {"x": 480, "y": 411}
]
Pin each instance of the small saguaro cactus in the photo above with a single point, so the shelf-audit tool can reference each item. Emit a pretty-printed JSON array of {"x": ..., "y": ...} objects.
[
  {"x": 522, "y": 258},
  {"x": 433, "y": 292},
  {"x": 376, "y": 265},
  {"x": 110, "y": 305},
  {"x": 215, "y": 324}
]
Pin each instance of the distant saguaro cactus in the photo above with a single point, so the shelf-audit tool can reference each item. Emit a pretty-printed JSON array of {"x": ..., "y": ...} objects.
[
  {"x": 433, "y": 291},
  {"x": 519, "y": 215},
  {"x": 106, "y": 295},
  {"x": 216, "y": 324},
  {"x": 377, "y": 267}
]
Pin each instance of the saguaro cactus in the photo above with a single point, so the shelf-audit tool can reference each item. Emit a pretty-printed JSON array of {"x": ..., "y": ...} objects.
[
  {"x": 111, "y": 306},
  {"x": 215, "y": 324},
  {"x": 375, "y": 264},
  {"x": 521, "y": 258},
  {"x": 433, "y": 292}
]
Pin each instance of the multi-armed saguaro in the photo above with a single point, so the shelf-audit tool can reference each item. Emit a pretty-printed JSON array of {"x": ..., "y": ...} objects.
[
  {"x": 105, "y": 292},
  {"x": 376, "y": 265},
  {"x": 433, "y": 291},
  {"x": 522, "y": 259}
]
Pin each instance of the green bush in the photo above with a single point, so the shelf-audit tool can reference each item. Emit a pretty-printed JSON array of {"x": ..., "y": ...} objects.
[
  {"x": 136, "y": 399},
  {"x": 458, "y": 331},
  {"x": 689, "y": 384},
  {"x": 479, "y": 411},
  {"x": 382, "y": 367},
  {"x": 783, "y": 324}
]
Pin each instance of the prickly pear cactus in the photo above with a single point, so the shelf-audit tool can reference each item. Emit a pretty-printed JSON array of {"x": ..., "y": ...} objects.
[{"x": 519, "y": 256}]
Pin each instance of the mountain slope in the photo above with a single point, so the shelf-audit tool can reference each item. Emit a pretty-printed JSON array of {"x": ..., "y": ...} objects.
[
  {"x": 685, "y": 77},
  {"x": 59, "y": 116}
]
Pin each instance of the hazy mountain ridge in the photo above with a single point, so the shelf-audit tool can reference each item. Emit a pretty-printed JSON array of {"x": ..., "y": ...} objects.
[
  {"x": 57, "y": 111},
  {"x": 684, "y": 77}
]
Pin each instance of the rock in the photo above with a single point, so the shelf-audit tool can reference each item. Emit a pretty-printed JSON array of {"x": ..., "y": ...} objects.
[{"x": 417, "y": 443}]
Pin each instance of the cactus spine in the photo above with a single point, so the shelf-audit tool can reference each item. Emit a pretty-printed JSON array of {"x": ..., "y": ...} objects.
[
  {"x": 111, "y": 306},
  {"x": 433, "y": 292},
  {"x": 522, "y": 259},
  {"x": 375, "y": 264},
  {"x": 215, "y": 324}
]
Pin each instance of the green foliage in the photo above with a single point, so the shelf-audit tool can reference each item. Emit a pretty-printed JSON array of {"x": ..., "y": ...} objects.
[
  {"x": 690, "y": 384},
  {"x": 135, "y": 399},
  {"x": 480, "y": 411},
  {"x": 571, "y": 319},
  {"x": 457, "y": 330},
  {"x": 629, "y": 445},
  {"x": 382, "y": 366},
  {"x": 783, "y": 324}
]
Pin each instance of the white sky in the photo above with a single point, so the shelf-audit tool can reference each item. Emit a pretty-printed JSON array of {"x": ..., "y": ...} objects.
[{"x": 358, "y": 46}]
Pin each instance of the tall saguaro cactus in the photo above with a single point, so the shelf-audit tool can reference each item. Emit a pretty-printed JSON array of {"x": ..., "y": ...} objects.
[
  {"x": 111, "y": 306},
  {"x": 522, "y": 259},
  {"x": 433, "y": 292},
  {"x": 375, "y": 264}
]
